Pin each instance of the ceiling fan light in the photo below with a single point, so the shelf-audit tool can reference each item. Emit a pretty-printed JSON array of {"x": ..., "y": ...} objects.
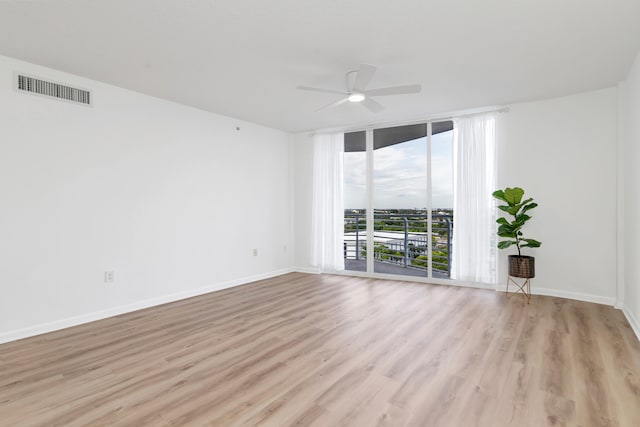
[{"x": 356, "y": 97}]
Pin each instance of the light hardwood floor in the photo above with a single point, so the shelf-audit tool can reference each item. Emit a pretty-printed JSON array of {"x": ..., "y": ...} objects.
[{"x": 331, "y": 351}]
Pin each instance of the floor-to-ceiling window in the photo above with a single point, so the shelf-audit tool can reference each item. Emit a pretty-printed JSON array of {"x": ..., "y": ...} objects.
[{"x": 403, "y": 177}]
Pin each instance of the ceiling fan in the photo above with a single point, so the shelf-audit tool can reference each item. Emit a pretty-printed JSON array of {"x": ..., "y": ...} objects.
[{"x": 356, "y": 89}]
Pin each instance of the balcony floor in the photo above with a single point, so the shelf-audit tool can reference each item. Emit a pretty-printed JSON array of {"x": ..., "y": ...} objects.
[{"x": 384, "y": 268}]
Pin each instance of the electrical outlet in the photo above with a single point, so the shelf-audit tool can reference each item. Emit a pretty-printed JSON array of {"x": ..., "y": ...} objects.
[
  {"x": 108, "y": 277},
  {"x": 255, "y": 251}
]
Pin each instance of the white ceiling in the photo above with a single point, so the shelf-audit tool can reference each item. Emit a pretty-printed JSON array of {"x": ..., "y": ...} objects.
[{"x": 244, "y": 58}]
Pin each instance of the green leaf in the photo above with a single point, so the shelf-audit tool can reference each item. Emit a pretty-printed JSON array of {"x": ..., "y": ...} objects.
[
  {"x": 502, "y": 221},
  {"x": 513, "y": 195},
  {"x": 513, "y": 210},
  {"x": 506, "y": 243},
  {"x": 499, "y": 194},
  {"x": 529, "y": 207},
  {"x": 530, "y": 243},
  {"x": 504, "y": 208},
  {"x": 508, "y": 228}
]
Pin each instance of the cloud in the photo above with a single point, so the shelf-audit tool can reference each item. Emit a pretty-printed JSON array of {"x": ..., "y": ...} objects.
[{"x": 400, "y": 175}]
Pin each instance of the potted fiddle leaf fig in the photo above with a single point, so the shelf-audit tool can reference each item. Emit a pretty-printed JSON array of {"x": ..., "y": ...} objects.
[{"x": 510, "y": 228}]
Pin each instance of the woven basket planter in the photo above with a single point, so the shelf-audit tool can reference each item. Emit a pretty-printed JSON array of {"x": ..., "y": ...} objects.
[{"x": 522, "y": 266}]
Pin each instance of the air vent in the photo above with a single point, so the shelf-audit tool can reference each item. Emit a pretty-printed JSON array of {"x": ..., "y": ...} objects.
[{"x": 53, "y": 90}]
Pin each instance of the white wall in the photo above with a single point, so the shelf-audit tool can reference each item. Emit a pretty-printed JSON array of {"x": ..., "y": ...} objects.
[
  {"x": 563, "y": 153},
  {"x": 631, "y": 191},
  {"x": 171, "y": 198}
]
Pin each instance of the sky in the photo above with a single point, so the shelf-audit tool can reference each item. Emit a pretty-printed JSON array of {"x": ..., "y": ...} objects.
[{"x": 400, "y": 175}]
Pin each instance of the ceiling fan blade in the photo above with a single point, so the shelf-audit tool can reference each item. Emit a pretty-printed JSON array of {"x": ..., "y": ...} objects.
[
  {"x": 316, "y": 89},
  {"x": 333, "y": 104},
  {"x": 372, "y": 105},
  {"x": 365, "y": 74},
  {"x": 396, "y": 90}
]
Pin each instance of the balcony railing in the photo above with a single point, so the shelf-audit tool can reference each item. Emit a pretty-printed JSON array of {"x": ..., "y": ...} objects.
[{"x": 401, "y": 240}]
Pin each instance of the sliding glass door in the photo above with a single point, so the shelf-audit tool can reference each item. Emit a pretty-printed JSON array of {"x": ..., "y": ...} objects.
[
  {"x": 400, "y": 200},
  {"x": 403, "y": 177},
  {"x": 355, "y": 203}
]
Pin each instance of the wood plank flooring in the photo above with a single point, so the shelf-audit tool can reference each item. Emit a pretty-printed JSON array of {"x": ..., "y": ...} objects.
[{"x": 324, "y": 350}]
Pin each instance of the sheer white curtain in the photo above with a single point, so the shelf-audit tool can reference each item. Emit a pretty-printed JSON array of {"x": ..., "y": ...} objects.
[
  {"x": 327, "y": 218},
  {"x": 474, "y": 178}
]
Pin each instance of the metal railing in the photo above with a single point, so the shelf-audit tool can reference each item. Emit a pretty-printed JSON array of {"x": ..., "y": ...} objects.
[{"x": 401, "y": 239}]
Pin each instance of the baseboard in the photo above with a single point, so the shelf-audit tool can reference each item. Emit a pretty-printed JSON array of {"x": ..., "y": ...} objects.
[
  {"x": 414, "y": 279},
  {"x": 308, "y": 270},
  {"x": 139, "y": 305},
  {"x": 579, "y": 296},
  {"x": 633, "y": 321},
  {"x": 500, "y": 288}
]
